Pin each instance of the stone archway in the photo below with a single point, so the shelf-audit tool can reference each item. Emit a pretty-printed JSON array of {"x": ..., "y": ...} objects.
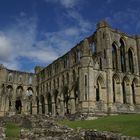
[
  {"x": 9, "y": 94},
  {"x": 55, "y": 93},
  {"x": 18, "y": 105},
  {"x": 37, "y": 102},
  {"x": 29, "y": 97},
  {"x": 42, "y": 100},
  {"x": 49, "y": 99},
  {"x": 18, "y": 102},
  {"x": 66, "y": 99}
]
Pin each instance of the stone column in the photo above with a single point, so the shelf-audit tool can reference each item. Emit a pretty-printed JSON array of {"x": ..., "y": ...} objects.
[
  {"x": 62, "y": 107},
  {"x": 53, "y": 107},
  {"x": 72, "y": 99},
  {"x": 118, "y": 93},
  {"x": 46, "y": 106},
  {"x": 13, "y": 109},
  {"x": 40, "y": 107},
  {"x": 128, "y": 94},
  {"x": 34, "y": 109},
  {"x": 109, "y": 88},
  {"x": 137, "y": 94}
]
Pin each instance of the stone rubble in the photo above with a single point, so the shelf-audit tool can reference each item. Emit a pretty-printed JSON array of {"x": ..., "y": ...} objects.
[{"x": 39, "y": 127}]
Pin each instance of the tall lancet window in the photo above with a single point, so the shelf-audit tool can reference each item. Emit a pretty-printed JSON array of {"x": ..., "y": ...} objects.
[
  {"x": 122, "y": 55},
  {"x": 131, "y": 64},
  {"x": 114, "y": 57}
]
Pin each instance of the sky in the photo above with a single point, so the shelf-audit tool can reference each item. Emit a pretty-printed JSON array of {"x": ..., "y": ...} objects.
[{"x": 36, "y": 32}]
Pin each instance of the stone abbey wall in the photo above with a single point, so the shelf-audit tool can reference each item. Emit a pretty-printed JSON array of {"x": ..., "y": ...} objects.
[{"x": 99, "y": 75}]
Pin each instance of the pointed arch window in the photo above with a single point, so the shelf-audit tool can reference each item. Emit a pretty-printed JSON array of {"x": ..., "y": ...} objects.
[
  {"x": 133, "y": 92},
  {"x": 114, "y": 57},
  {"x": 67, "y": 79},
  {"x": 100, "y": 63},
  {"x": 131, "y": 64},
  {"x": 10, "y": 77},
  {"x": 122, "y": 55},
  {"x": 124, "y": 91},
  {"x": 98, "y": 91},
  {"x": 74, "y": 76},
  {"x": 114, "y": 97}
]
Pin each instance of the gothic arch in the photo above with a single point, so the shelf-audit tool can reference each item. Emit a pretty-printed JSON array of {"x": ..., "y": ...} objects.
[
  {"x": 73, "y": 75},
  {"x": 115, "y": 82},
  {"x": 67, "y": 77},
  {"x": 134, "y": 89},
  {"x": 10, "y": 77},
  {"x": 101, "y": 80},
  {"x": 136, "y": 81},
  {"x": 123, "y": 39},
  {"x": 126, "y": 79},
  {"x": 131, "y": 60},
  {"x": 20, "y": 79},
  {"x": 114, "y": 56},
  {"x": 116, "y": 77},
  {"x": 19, "y": 92},
  {"x": 99, "y": 86},
  {"x": 122, "y": 55},
  {"x": 42, "y": 101},
  {"x": 125, "y": 84},
  {"x": 37, "y": 102},
  {"x": 55, "y": 98},
  {"x": 49, "y": 100}
]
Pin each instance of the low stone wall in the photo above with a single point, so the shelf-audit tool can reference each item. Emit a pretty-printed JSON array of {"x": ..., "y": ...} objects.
[{"x": 96, "y": 135}]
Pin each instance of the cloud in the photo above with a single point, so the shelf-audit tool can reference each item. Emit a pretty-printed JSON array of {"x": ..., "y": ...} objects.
[
  {"x": 65, "y": 3},
  {"x": 84, "y": 24},
  {"x": 19, "y": 40},
  {"x": 126, "y": 20}
]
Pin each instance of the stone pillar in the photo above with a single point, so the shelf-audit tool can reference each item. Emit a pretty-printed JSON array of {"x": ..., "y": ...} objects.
[
  {"x": 62, "y": 108},
  {"x": 13, "y": 109},
  {"x": 6, "y": 104},
  {"x": 40, "y": 108},
  {"x": 53, "y": 106},
  {"x": 46, "y": 106},
  {"x": 128, "y": 94},
  {"x": 137, "y": 94},
  {"x": 118, "y": 93},
  {"x": 34, "y": 109},
  {"x": 109, "y": 88},
  {"x": 53, "y": 109}
]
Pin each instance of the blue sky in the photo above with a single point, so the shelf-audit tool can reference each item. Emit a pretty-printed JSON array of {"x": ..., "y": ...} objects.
[{"x": 36, "y": 32}]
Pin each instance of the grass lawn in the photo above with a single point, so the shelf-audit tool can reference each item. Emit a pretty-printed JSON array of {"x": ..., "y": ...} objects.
[
  {"x": 125, "y": 124},
  {"x": 12, "y": 131}
]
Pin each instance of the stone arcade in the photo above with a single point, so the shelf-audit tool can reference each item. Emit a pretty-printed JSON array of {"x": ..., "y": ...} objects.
[{"x": 101, "y": 74}]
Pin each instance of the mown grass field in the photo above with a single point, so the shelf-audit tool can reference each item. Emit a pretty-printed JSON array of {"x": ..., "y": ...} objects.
[
  {"x": 12, "y": 131},
  {"x": 125, "y": 124}
]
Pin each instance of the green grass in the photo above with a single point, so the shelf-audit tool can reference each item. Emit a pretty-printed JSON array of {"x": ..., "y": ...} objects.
[
  {"x": 125, "y": 124},
  {"x": 12, "y": 131}
]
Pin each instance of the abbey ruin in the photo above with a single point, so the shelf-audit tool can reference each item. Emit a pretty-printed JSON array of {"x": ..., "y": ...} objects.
[{"x": 101, "y": 74}]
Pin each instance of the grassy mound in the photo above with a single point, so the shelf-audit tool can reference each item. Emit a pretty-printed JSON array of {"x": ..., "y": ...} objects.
[
  {"x": 12, "y": 131},
  {"x": 125, "y": 124}
]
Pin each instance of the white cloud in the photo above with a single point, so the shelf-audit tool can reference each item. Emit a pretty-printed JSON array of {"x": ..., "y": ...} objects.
[
  {"x": 84, "y": 25},
  {"x": 65, "y": 3},
  {"x": 20, "y": 39}
]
